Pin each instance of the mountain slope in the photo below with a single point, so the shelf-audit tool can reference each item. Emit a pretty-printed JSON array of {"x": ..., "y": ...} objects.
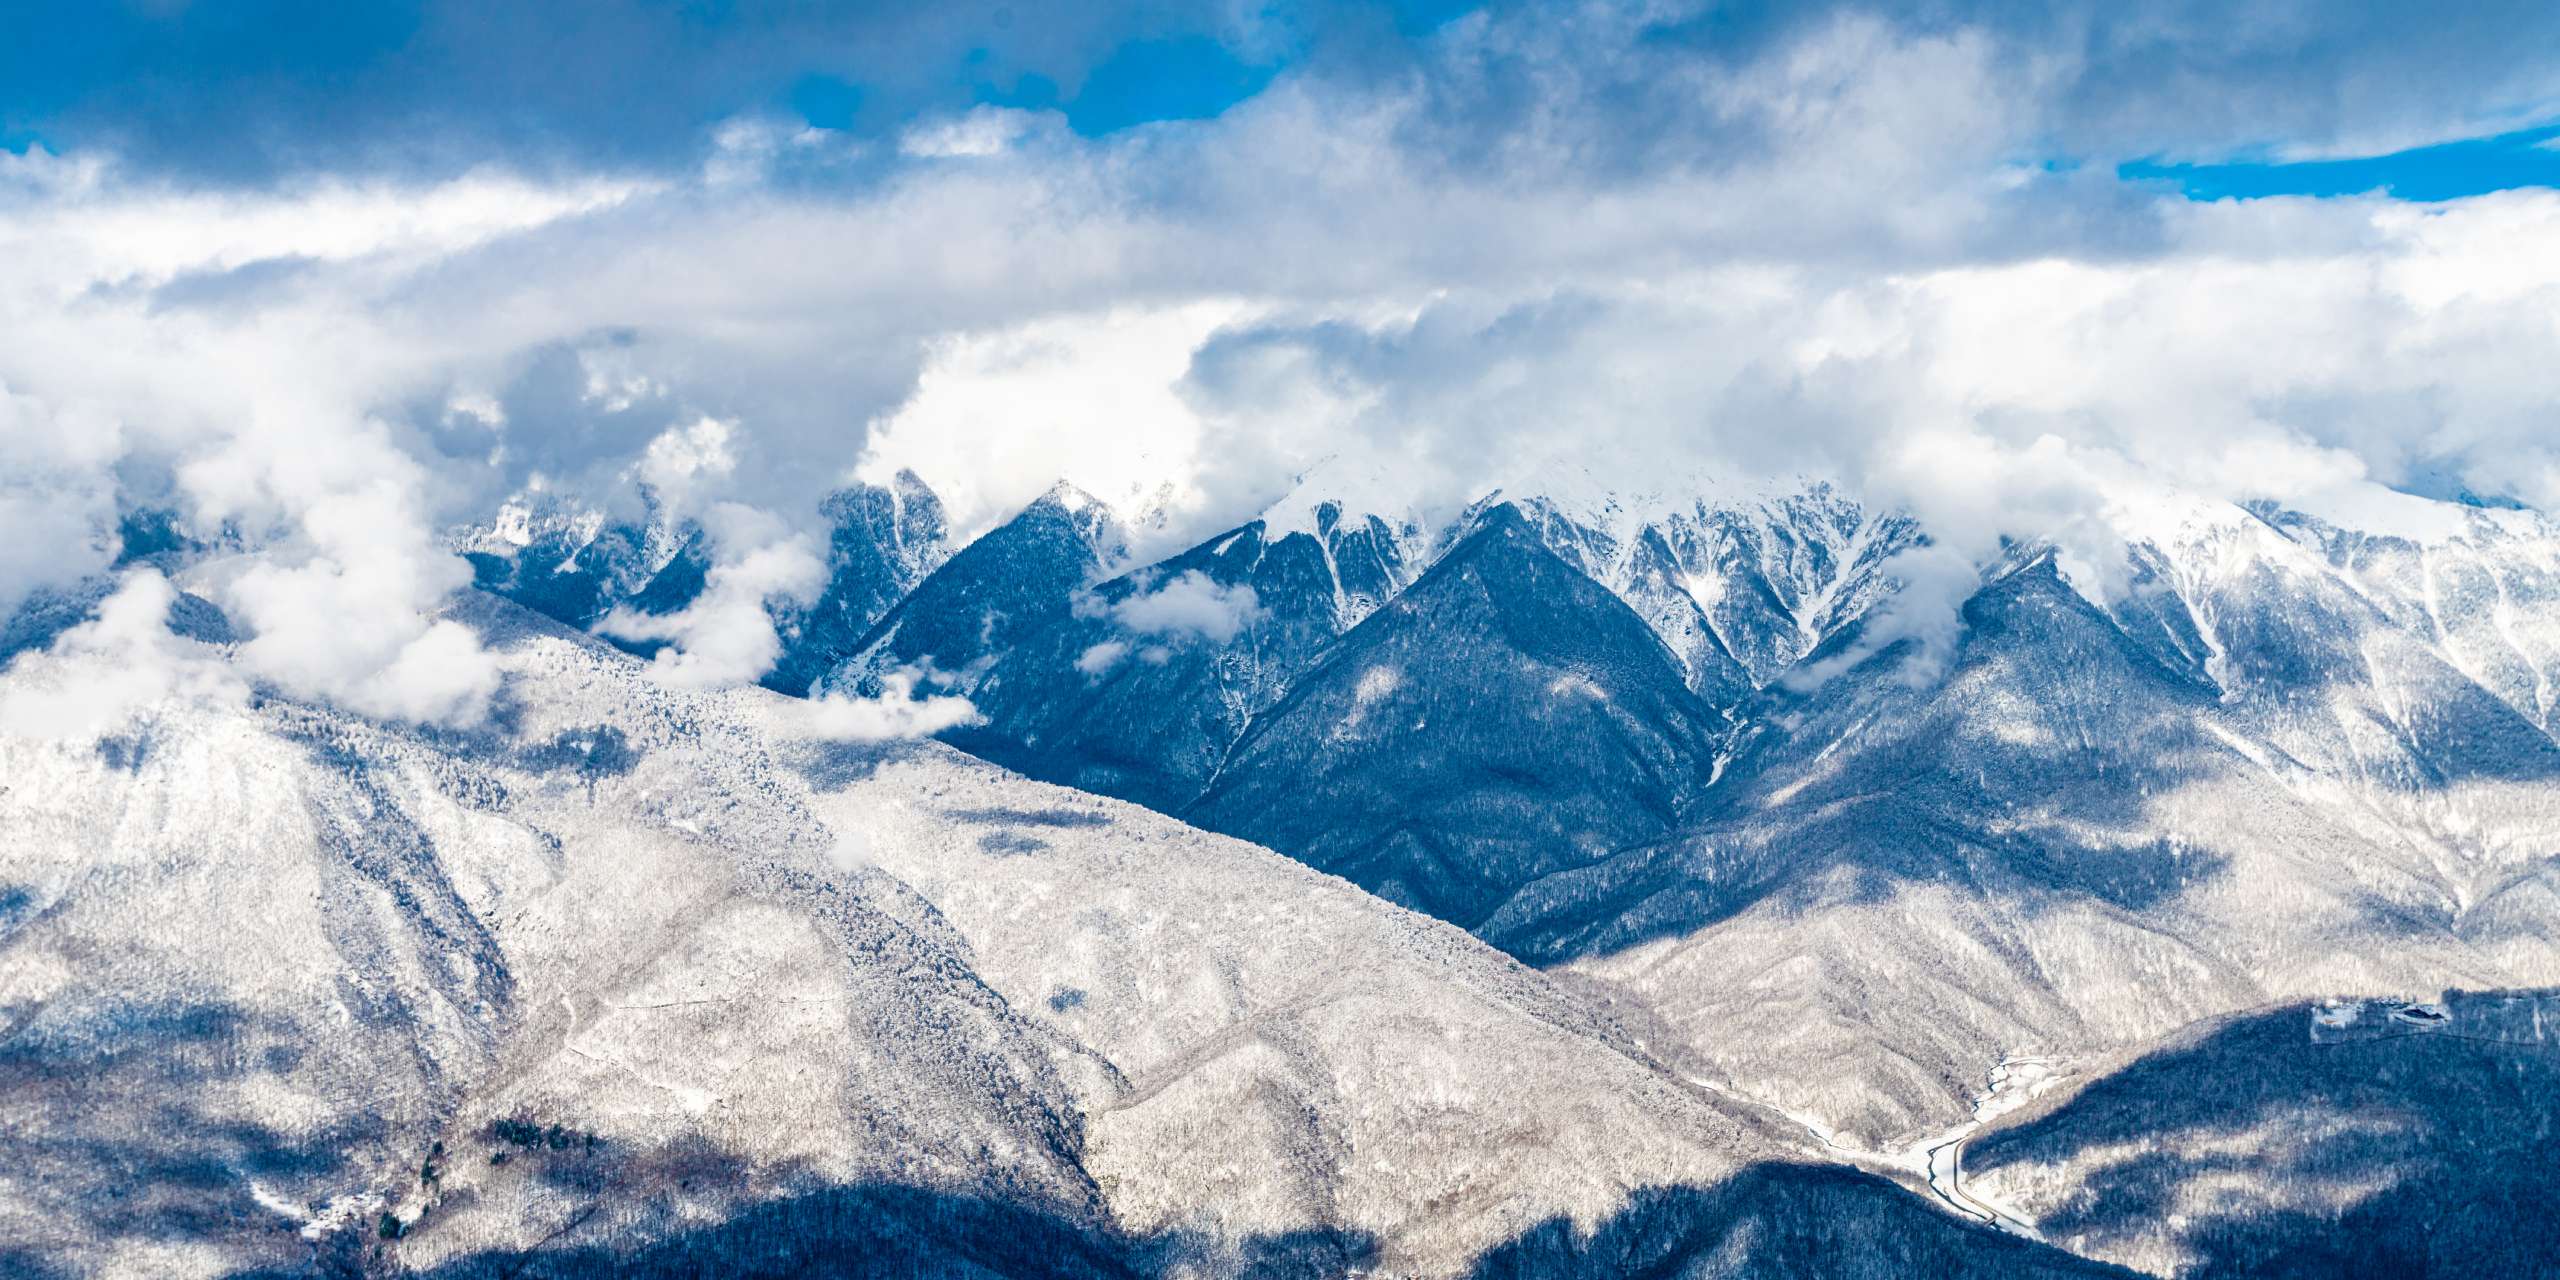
[
  {"x": 882, "y": 540},
  {"x": 566, "y": 563},
  {"x": 2487, "y": 597},
  {"x": 639, "y": 979},
  {"x": 2240, "y": 783},
  {"x": 371, "y": 947},
  {"x": 2345, "y": 1138},
  {"x": 989, "y": 595},
  {"x": 1141, "y": 689},
  {"x": 1503, "y": 718}
]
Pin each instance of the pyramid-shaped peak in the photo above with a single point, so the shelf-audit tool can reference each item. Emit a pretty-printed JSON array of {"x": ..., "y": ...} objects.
[
  {"x": 1067, "y": 497},
  {"x": 1503, "y": 514}
]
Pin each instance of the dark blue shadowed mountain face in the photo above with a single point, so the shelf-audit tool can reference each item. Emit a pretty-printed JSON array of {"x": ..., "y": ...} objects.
[
  {"x": 1108, "y": 698},
  {"x": 576, "y": 575},
  {"x": 882, "y": 541},
  {"x": 1504, "y": 718},
  {"x": 1184, "y": 720},
  {"x": 2384, "y": 1139},
  {"x": 990, "y": 595}
]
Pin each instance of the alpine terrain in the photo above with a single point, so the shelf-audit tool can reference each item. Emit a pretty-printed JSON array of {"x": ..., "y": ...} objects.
[{"x": 1559, "y": 886}]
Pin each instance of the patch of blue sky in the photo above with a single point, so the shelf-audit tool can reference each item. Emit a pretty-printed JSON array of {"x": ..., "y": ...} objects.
[
  {"x": 1143, "y": 81},
  {"x": 1193, "y": 76},
  {"x": 1422, "y": 17},
  {"x": 2444, "y": 171},
  {"x": 826, "y": 101}
]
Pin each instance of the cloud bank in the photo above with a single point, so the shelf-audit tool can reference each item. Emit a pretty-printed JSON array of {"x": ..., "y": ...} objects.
[
  {"x": 123, "y": 663},
  {"x": 1886, "y": 244}
]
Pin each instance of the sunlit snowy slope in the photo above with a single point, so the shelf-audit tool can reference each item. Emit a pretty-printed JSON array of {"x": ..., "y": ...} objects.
[{"x": 643, "y": 981}]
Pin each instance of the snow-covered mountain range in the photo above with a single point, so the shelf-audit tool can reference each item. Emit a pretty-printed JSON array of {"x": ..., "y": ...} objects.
[{"x": 1566, "y": 883}]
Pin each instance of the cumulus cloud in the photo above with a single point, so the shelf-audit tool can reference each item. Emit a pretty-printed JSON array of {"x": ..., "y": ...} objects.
[
  {"x": 980, "y": 131},
  {"x": 726, "y": 635},
  {"x": 57, "y": 498},
  {"x": 1000, "y": 415},
  {"x": 98, "y": 676},
  {"x": 685, "y": 459},
  {"x": 1190, "y": 603},
  {"x": 340, "y": 607},
  {"x": 1099, "y": 659},
  {"x": 256, "y": 418},
  {"x": 897, "y": 711}
]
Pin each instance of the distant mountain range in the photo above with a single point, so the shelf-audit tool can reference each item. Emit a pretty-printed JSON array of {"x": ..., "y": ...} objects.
[{"x": 1642, "y": 907}]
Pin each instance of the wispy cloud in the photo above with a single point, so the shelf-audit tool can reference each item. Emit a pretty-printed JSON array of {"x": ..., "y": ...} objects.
[{"x": 897, "y": 711}]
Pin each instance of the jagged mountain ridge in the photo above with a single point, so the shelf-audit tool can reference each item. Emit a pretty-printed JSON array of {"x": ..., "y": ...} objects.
[
  {"x": 1739, "y": 589},
  {"x": 990, "y": 595},
  {"x": 576, "y": 565},
  {"x": 1736, "y": 587},
  {"x": 882, "y": 541}
]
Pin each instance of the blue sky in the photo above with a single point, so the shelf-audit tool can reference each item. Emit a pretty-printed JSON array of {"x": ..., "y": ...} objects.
[
  {"x": 248, "y": 91},
  {"x": 245, "y": 89},
  {"x": 2441, "y": 171}
]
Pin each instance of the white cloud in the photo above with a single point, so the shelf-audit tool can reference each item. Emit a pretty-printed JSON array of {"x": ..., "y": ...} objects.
[
  {"x": 980, "y": 131},
  {"x": 746, "y": 149},
  {"x": 340, "y": 605},
  {"x": 999, "y": 416},
  {"x": 98, "y": 676},
  {"x": 1099, "y": 659},
  {"x": 684, "y": 459},
  {"x": 105, "y": 230},
  {"x": 726, "y": 636},
  {"x": 254, "y": 406},
  {"x": 57, "y": 496},
  {"x": 1190, "y": 604},
  {"x": 895, "y": 712}
]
